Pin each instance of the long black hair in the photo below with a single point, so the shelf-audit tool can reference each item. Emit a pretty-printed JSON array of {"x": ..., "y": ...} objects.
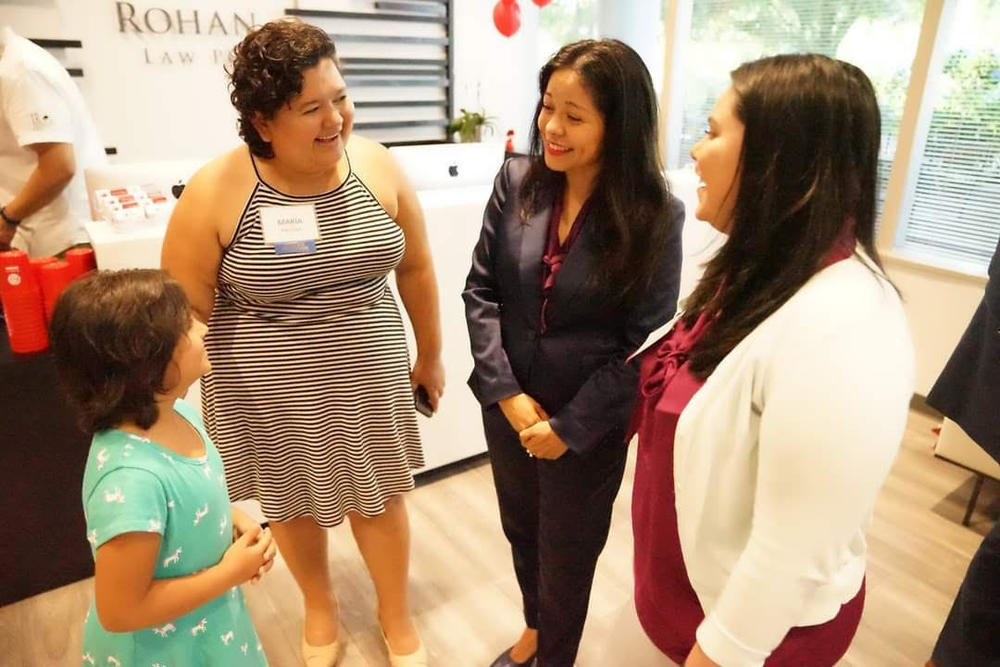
[
  {"x": 630, "y": 202},
  {"x": 807, "y": 171}
]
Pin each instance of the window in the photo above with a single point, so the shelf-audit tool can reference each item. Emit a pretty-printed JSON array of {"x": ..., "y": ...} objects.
[
  {"x": 640, "y": 26},
  {"x": 954, "y": 201},
  {"x": 563, "y": 22},
  {"x": 879, "y": 36}
]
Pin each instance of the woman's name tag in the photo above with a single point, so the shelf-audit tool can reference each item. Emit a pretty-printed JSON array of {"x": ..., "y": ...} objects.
[{"x": 290, "y": 229}]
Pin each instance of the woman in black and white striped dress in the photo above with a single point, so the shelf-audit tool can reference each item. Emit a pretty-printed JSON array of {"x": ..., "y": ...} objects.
[{"x": 285, "y": 250}]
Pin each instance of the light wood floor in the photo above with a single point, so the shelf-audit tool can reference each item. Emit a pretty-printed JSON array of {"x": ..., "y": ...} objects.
[{"x": 466, "y": 600}]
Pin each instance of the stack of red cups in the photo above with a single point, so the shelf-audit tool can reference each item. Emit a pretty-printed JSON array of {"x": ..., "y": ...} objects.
[{"x": 23, "y": 308}]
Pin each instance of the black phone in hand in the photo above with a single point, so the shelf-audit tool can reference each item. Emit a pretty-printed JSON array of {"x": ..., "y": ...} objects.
[{"x": 422, "y": 402}]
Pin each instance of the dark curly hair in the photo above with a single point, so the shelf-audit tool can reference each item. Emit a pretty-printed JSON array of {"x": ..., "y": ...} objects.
[
  {"x": 114, "y": 334},
  {"x": 266, "y": 72}
]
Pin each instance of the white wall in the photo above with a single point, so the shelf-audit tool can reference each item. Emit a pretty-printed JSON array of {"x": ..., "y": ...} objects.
[
  {"x": 939, "y": 305},
  {"x": 496, "y": 73},
  {"x": 638, "y": 28},
  {"x": 153, "y": 96}
]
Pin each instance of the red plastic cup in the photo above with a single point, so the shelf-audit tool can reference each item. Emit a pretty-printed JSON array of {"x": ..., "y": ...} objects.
[
  {"x": 36, "y": 264},
  {"x": 81, "y": 261},
  {"x": 56, "y": 276},
  {"x": 14, "y": 258}
]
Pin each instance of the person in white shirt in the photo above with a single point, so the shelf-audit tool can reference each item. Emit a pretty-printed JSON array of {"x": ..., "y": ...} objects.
[
  {"x": 771, "y": 409},
  {"x": 47, "y": 139}
]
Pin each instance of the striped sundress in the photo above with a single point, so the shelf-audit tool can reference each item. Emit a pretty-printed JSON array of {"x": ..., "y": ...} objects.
[{"x": 309, "y": 399}]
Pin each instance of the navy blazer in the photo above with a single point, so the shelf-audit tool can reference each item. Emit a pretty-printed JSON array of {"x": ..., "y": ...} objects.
[
  {"x": 576, "y": 369},
  {"x": 968, "y": 390}
]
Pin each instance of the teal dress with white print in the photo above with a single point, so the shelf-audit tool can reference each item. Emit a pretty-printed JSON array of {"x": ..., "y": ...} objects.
[{"x": 134, "y": 485}]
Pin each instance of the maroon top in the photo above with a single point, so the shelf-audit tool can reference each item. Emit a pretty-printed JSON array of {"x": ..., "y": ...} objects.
[
  {"x": 555, "y": 253},
  {"x": 667, "y": 605}
]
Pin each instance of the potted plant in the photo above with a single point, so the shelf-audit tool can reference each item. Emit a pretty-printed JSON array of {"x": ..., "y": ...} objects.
[{"x": 469, "y": 125}]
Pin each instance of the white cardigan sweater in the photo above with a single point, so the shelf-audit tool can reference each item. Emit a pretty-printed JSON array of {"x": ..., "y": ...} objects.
[{"x": 780, "y": 455}]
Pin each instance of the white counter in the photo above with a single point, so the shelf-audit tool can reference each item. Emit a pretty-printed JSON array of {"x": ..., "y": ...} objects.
[{"x": 138, "y": 248}]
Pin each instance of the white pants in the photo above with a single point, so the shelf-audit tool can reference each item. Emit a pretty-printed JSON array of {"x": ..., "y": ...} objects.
[{"x": 629, "y": 645}]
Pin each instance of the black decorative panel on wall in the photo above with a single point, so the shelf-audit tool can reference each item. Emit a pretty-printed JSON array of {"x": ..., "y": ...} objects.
[{"x": 397, "y": 60}]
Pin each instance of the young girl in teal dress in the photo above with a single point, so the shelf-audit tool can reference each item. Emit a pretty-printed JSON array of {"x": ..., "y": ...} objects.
[{"x": 159, "y": 521}]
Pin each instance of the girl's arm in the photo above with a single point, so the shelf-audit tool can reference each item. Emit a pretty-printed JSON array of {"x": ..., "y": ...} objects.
[
  {"x": 243, "y": 523},
  {"x": 128, "y": 598}
]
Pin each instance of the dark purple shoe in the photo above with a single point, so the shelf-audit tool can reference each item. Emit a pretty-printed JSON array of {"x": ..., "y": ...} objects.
[{"x": 504, "y": 660}]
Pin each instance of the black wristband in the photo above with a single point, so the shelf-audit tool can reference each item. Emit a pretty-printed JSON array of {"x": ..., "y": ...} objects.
[{"x": 6, "y": 218}]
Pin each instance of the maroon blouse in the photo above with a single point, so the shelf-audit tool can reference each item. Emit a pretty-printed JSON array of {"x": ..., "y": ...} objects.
[
  {"x": 555, "y": 252},
  {"x": 667, "y": 605}
]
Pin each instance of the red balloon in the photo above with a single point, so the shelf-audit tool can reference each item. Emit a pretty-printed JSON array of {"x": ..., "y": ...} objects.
[
  {"x": 507, "y": 17},
  {"x": 541, "y": 3}
]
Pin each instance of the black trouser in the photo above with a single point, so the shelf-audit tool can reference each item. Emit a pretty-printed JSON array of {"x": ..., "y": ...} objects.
[
  {"x": 556, "y": 516},
  {"x": 971, "y": 635}
]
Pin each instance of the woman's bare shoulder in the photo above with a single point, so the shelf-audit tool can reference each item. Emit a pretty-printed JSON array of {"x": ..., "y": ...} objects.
[
  {"x": 228, "y": 172},
  {"x": 218, "y": 191},
  {"x": 374, "y": 165},
  {"x": 222, "y": 184}
]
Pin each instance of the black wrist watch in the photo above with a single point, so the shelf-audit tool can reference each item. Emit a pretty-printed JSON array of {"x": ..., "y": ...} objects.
[{"x": 6, "y": 218}]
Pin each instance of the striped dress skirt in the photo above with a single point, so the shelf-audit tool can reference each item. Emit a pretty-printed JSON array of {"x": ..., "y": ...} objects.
[{"x": 309, "y": 399}]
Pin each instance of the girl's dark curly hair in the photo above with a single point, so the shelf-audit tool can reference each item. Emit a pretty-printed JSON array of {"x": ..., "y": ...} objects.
[
  {"x": 114, "y": 334},
  {"x": 266, "y": 72}
]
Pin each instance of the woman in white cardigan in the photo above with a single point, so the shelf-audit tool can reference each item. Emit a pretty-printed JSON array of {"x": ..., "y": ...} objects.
[{"x": 771, "y": 409}]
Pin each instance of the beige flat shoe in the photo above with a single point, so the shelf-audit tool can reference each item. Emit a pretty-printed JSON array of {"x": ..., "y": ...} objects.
[
  {"x": 320, "y": 656},
  {"x": 416, "y": 659}
]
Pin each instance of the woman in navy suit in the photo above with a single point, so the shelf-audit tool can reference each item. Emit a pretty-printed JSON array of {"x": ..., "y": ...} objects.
[
  {"x": 579, "y": 259},
  {"x": 968, "y": 392}
]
